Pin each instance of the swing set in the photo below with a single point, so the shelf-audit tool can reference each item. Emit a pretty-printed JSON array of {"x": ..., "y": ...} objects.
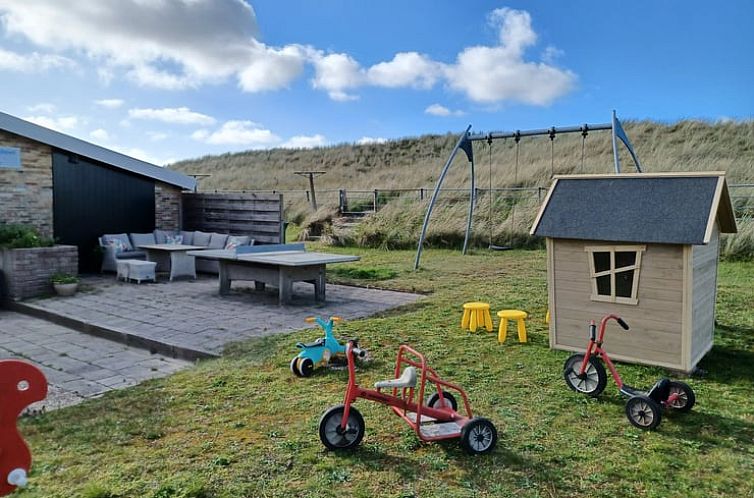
[{"x": 465, "y": 144}]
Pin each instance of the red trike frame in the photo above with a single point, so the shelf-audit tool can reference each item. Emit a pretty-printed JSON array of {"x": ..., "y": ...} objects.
[
  {"x": 406, "y": 404},
  {"x": 594, "y": 347}
]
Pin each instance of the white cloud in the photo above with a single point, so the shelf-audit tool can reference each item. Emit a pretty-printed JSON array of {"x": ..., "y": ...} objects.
[
  {"x": 109, "y": 103},
  {"x": 142, "y": 155},
  {"x": 203, "y": 42},
  {"x": 440, "y": 110},
  {"x": 305, "y": 142},
  {"x": 406, "y": 69},
  {"x": 495, "y": 74},
  {"x": 45, "y": 107},
  {"x": 209, "y": 42},
  {"x": 275, "y": 70},
  {"x": 100, "y": 135},
  {"x": 33, "y": 62},
  {"x": 485, "y": 74},
  {"x": 371, "y": 140},
  {"x": 62, "y": 124},
  {"x": 551, "y": 53},
  {"x": 157, "y": 136},
  {"x": 176, "y": 115},
  {"x": 246, "y": 133},
  {"x": 337, "y": 73}
]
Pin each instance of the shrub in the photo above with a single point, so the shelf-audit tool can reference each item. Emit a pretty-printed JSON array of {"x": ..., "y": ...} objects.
[
  {"x": 21, "y": 236},
  {"x": 64, "y": 278}
]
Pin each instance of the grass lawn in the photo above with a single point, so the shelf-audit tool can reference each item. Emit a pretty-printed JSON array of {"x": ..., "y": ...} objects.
[{"x": 244, "y": 426}]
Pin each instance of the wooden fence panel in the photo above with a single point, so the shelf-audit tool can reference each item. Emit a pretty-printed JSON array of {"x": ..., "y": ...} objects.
[{"x": 259, "y": 216}]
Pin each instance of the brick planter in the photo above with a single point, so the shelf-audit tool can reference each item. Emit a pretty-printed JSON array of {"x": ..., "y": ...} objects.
[{"x": 27, "y": 272}]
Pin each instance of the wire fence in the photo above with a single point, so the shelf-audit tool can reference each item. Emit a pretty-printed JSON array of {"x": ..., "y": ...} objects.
[{"x": 364, "y": 201}]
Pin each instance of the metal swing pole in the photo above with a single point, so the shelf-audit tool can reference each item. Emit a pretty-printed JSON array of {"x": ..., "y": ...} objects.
[{"x": 463, "y": 138}]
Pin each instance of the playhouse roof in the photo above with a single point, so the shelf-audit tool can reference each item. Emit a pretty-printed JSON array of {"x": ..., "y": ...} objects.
[
  {"x": 663, "y": 208},
  {"x": 82, "y": 148}
]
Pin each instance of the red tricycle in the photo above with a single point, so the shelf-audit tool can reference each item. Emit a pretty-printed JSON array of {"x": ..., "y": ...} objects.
[
  {"x": 585, "y": 373},
  {"x": 342, "y": 426}
]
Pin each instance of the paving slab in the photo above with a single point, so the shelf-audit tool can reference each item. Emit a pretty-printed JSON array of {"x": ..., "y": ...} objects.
[
  {"x": 189, "y": 319},
  {"x": 77, "y": 366}
]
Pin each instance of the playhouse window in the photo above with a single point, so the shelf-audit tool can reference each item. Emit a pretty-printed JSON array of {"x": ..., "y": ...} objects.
[{"x": 615, "y": 273}]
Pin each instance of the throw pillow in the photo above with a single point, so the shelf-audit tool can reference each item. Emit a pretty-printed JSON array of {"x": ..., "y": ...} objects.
[
  {"x": 217, "y": 240},
  {"x": 201, "y": 239},
  {"x": 235, "y": 241},
  {"x": 117, "y": 245},
  {"x": 174, "y": 239}
]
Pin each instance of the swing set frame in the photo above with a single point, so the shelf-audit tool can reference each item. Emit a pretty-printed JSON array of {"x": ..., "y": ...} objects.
[{"x": 465, "y": 144}]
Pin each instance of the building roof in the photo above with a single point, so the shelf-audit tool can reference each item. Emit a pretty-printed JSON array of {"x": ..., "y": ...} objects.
[
  {"x": 664, "y": 208},
  {"x": 81, "y": 148}
]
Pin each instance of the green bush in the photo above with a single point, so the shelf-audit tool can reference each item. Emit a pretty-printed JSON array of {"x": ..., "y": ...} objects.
[
  {"x": 64, "y": 278},
  {"x": 21, "y": 236}
]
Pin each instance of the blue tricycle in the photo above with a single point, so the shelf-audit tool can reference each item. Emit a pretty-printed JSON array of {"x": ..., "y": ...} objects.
[{"x": 319, "y": 352}]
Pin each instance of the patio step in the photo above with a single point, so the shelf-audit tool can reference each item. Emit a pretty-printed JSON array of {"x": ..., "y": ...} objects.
[{"x": 111, "y": 333}]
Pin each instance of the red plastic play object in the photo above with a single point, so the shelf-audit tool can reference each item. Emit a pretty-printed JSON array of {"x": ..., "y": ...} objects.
[{"x": 21, "y": 384}]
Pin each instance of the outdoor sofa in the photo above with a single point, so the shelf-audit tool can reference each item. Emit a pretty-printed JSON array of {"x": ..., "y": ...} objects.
[{"x": 126, "y": 246}]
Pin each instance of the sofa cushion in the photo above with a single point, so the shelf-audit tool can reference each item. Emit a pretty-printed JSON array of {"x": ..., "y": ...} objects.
[
  {"x": 122, "y": 237},
  {"x": 201, "y": 239},
  {"x": 235, "y": 241},
  {"x": 217, "y": 241},
  {"x": 161, "y": 236},
  {"x": 141, "y": 239},
  {"x": 188, "y": 238},
  {"x": 131, "y": 255}
]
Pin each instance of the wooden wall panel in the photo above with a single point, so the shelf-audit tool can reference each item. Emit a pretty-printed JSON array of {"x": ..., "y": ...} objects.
[
  {"x": 656, "y": 321},
  {"x": 259, "y": 216}
]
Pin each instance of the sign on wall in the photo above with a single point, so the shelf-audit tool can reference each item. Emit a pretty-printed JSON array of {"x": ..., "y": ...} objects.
[{"x": 10, "y": 157}]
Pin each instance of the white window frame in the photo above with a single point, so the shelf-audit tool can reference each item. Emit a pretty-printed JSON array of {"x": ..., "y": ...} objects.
[{"x": 636, "y": 267}]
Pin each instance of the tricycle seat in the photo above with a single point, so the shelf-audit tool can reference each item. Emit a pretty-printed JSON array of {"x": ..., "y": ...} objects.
[
  {"x": 407, "y": 379},
  {"x": 304, "y": 345}
]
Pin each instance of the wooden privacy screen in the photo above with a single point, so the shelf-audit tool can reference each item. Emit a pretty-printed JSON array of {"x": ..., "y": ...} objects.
[{"x": 259, "y": 216}]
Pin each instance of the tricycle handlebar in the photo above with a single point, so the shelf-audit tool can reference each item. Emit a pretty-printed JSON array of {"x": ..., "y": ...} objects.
[{"x": 622, "y": 323}]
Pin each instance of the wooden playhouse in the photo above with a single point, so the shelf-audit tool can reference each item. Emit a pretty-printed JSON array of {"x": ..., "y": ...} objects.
[{"x": 644, "y": 247}]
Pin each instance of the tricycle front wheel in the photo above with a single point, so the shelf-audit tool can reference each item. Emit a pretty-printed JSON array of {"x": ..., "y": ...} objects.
[
  {"x": 333, "y": 436},
  {"x": 592, "y": 382}
]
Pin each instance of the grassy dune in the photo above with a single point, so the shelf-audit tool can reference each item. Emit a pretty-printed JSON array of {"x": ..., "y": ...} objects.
[{"x": 416, "y": 163}]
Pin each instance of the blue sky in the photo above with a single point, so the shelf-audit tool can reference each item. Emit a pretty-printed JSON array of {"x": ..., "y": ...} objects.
[{"x": 173, "y": 79}]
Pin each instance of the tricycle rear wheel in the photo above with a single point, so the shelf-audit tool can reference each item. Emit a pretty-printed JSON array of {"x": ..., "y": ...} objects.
[
  {"x": 294, "y": 367},
  {"x": 643, "y": 412},
  {"x": 686, "y": 397},
  {"x": 478, "y": 436},
  {"x": 305, "y": 367},
  {"x": 333, "y": 436},
  {"x": 447, "y": 401}
]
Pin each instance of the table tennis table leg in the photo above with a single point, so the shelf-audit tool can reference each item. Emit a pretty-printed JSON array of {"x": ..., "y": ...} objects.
[{"x": 224, "y": 279}]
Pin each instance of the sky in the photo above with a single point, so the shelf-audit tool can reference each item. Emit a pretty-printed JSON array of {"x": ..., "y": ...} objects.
[{"x": 164, "y": 80}]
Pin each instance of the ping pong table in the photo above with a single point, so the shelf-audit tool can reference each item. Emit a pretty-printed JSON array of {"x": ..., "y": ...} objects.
[{"x": 277, "y": 265}]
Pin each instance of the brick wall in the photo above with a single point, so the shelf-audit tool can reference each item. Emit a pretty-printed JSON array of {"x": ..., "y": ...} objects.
[
  {"x": 167, "y": 207},
  {"x": 27, "y": 272},
  {"x": 26, "y": 193}
]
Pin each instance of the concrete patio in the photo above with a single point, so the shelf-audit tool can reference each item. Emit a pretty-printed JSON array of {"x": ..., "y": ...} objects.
[{"x": 189, "y": 320}]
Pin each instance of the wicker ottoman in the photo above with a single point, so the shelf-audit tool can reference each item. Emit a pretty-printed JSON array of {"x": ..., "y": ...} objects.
[{"x": 139, "y": 270}]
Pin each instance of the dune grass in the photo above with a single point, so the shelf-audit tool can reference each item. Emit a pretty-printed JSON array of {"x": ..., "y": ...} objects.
[
  {"x": 415, "y": 162},
  {"x": 243, "y": 426}
]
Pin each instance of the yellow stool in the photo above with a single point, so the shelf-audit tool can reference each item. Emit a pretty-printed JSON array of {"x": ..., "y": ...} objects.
[
  {"x": 476, "y": 315},
  {"x": 517, "y": 315}
]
